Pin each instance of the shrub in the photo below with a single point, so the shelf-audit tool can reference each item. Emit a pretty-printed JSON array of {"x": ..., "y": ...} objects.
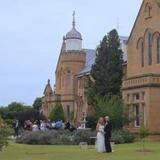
[
  {"x": 4, "y": 133},
  {"x": 144, "y": 132},
  {"x": 65, "y": 137},
  {"x": 57, "y": 137},
  {"x": 57, "y": 113},
  {"x": 113, "y": 107},
  {"x": 122, "y": 136}
]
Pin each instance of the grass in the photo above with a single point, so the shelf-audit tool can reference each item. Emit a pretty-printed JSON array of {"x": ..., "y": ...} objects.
[{"x": 122, "y": 152}]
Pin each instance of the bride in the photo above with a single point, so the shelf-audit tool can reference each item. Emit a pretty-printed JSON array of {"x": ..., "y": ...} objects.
[{"x": 100, "y": 144}]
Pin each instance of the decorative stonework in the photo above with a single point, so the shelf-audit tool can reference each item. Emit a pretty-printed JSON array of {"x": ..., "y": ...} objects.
[
  {"x": 148, "y": 11},
  {"x": 142, "y": 81}
]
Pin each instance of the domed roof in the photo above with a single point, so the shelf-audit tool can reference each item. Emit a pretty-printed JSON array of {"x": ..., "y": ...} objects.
[{"x": 73, "y": 34}]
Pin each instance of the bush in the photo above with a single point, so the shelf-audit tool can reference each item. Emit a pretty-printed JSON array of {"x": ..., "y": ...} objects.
[
  {"x": 57, "y": 113},
  {"x": 113, "y": 107},
  {"x": 122, "y": 136},
  {"x": 65, "y": 137},
  {"x": 57, "y": 137},
  {"x": 4, "y": 133}
]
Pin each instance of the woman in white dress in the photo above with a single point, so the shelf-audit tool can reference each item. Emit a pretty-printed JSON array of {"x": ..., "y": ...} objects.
[{"x": 100, "y": 144}]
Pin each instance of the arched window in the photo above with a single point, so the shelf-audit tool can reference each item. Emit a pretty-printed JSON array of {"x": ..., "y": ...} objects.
[
  {"x": 149, "y": 48},
  {"x": 140, "y": 47},
  {"x": 142, "y": 53},
  {"x": 158, "y": 49}
]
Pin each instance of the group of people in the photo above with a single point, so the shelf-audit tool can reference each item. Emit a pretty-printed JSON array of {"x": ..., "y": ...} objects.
[
  {"x": 42, "y": 125},
  {"x": 104, "y": 129}
]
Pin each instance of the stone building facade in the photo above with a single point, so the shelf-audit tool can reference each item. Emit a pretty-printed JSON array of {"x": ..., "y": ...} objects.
[
  {"x": 72, "y": 74},
  {"x": 141, "y": 86}
]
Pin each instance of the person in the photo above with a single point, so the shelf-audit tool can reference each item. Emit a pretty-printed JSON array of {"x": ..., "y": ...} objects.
[
  {"x": 28, "y": 125},
  {"x": 35, "y": 127},
  {"x": 43, "y": 126},
  {"x": 58, "y": 124},
  {"x": 16, "y": 127},
  {"x": 100, "y": 143},
  {"x": 107, "y": 135}
]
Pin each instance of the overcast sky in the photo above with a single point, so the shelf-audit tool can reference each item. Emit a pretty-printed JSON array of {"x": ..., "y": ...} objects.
[{"x": 31, "y": 34}]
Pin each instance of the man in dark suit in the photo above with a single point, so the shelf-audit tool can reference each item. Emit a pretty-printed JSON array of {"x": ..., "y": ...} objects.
[{"x": 108, "y": 130}]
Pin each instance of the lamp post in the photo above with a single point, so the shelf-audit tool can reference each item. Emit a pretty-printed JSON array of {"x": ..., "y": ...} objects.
[{"x": 84, "y": 120}]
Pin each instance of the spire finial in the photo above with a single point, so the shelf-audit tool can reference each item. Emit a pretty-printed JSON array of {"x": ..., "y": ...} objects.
[
  {"x": 73, "y": 23},
  {"x": 48, "y": 81}
]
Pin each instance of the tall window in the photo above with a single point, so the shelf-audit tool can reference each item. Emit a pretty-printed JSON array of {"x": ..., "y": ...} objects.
[
  {"x": 137, "y": 115},
  {"x": 149, "y": 49},
  {"x": 158, "y": 49},
  {"x": 142, "y": 54}
]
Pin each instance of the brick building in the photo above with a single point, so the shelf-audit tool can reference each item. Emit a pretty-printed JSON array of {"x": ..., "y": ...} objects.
[
  {"x": 141, "y": 86},
  {"x": 72, "y": 74}
]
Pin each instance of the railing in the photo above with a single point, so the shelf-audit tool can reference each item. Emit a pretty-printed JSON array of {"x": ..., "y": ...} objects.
[{"x": 141, "y": 81}]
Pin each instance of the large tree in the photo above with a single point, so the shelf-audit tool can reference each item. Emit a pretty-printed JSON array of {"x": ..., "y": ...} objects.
[
  {"x": 106, "y": 73},
  {"x": 37, "y": 104}
]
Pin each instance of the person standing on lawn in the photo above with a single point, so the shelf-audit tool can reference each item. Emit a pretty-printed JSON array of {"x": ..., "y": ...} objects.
[{"x": 107, "y": 134}]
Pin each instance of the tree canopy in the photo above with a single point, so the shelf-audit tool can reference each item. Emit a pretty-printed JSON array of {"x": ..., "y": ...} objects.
[
  {"x": 107, "y": 70},
  {"x": 37, "y": 104},
  {"x": 57, "y": 113}
]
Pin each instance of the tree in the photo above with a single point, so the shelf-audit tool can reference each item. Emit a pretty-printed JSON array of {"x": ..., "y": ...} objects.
[
  {"x": 4, "y": 133},
  {"x": 57, "y": 113},
  {"x": 37, "y": 104},
  {"x": 17, "y": 107},
  {"x": 107, "y": 70},
  {"x": 12, "y": 110},
  {"x": 112, "y": 107},
  {"x": 144, "y": 132}
]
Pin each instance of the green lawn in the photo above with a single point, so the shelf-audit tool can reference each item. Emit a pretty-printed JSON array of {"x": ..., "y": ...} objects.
[{"x": 122, "y": 152}]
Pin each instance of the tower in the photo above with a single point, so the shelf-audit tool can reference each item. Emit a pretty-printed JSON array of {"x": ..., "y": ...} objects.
[{"x": 71, "y": 60}]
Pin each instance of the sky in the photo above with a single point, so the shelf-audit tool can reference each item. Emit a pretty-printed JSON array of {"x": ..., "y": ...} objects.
[{"x": 31, "y": 34}]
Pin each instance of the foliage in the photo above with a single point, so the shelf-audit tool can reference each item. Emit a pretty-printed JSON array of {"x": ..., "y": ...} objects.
[
  {"x": 91, "y": 122},
  {"x": 17, "y": 107},
  {"x": 10, "y": 112},
  {"x": 112, "y": 107},
  {"x": 107, "y": 70},
  {"x": 122, "y": 136},
  {"x": 4, "y": 133},
  {"x": 57, "y": 113},
  {"x": 57, "y": 137},
  {"x": 30, "y": 114},
  {"x": 144, "y": 132},
  {"x": 65, "y": 137},
  {"x": 37, "y": 104}
]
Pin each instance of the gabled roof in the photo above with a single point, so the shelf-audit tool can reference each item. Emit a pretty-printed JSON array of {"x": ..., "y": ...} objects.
[
  {"x": 135, "y": 21},
  {"x": 158, "y": 3}
]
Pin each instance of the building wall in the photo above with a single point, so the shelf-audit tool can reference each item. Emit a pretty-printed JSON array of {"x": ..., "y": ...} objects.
[
  {"x": 143, "y": 25},
  {"x": 142, "y": 77}
]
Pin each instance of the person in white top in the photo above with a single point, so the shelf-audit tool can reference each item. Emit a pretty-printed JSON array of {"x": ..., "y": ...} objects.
[{"x": 100, "y": 143}]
